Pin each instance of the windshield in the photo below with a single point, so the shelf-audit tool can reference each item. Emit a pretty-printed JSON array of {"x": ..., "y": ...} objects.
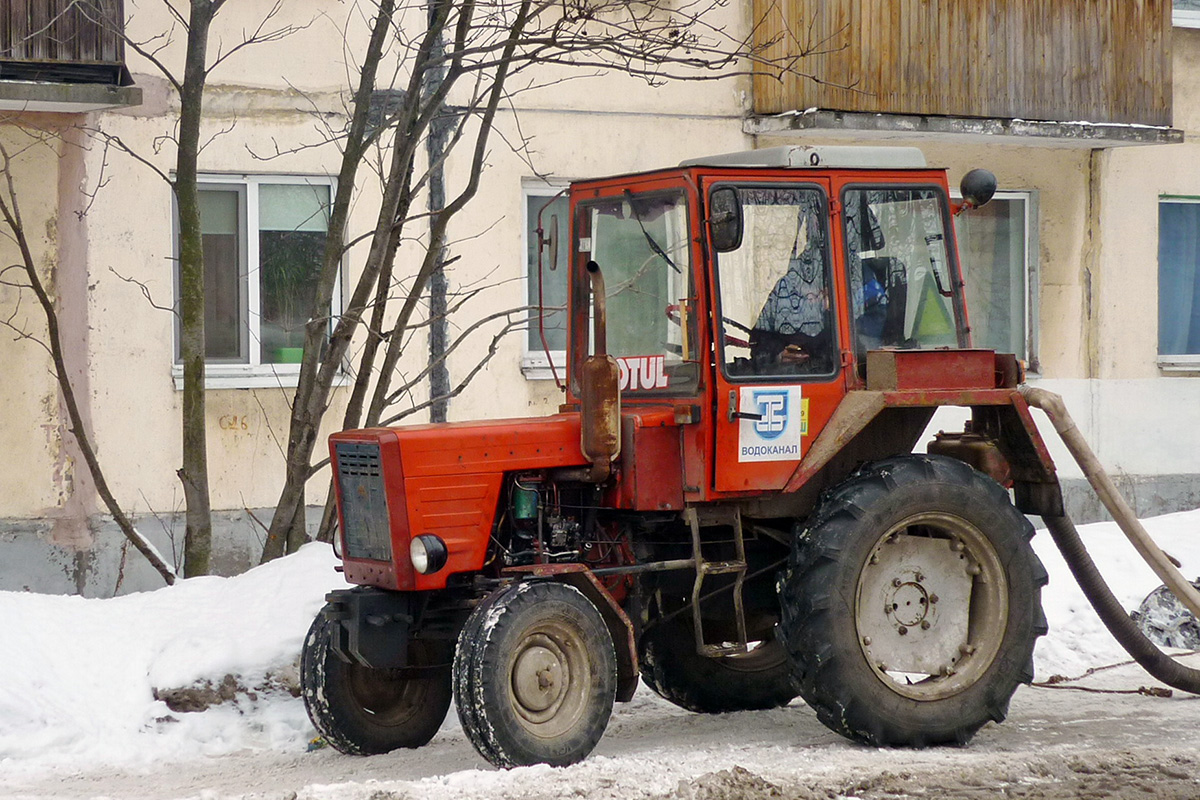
[
  {"x": 641, "y": 243},
  {"x": 903, "y": 287}
]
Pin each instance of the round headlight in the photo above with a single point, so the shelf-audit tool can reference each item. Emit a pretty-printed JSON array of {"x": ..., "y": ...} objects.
[{"x": 428, "y": 553}]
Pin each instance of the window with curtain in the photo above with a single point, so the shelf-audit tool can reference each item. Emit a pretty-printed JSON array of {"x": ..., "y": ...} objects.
[
  {"x": 1179, "y": 280},
  {"x": 264, "y": 239}
]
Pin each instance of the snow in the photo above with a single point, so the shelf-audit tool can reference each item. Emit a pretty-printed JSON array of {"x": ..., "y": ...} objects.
[{"x": 79, "y": 676}]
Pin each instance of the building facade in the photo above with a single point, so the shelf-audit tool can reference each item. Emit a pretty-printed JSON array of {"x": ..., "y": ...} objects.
[{"x": 1085, "y": 265}]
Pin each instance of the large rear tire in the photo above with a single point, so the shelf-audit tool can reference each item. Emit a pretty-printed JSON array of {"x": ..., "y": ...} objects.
[
  {"x": 364, "y": 711},
  {"x": 911, "y": 603},
  {"x": 535, "y": 676},
  {"x": 759, "y": 679}
]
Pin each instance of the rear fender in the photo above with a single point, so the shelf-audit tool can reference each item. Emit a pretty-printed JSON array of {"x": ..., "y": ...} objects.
[{"x": 869, "y": 425}]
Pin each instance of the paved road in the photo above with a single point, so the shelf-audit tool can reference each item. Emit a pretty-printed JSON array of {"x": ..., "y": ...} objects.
[{"x": 1057, "y": 743}]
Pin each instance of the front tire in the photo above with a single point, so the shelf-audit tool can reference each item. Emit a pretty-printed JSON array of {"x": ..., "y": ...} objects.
[
  {"x": 911, "y": 603},
  {"x": 535, "y": 676},
  {"x": 365, "y": 711}
]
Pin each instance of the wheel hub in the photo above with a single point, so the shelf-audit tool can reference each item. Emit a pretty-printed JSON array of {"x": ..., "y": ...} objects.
[
  {"x": 904, "y": 587},
  {"x": 540, "y": 678},
  {"x": 909, "y": 605},
  {"x": 931, "y": 607}
]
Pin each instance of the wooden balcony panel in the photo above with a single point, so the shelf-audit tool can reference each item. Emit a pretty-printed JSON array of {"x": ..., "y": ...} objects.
[
  {"x": 1103, "y": 61},
  {"x": 62, "y": 40}
]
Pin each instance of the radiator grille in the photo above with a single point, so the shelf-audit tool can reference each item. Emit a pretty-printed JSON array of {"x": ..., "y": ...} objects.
[{"x": 364, "y": 501}]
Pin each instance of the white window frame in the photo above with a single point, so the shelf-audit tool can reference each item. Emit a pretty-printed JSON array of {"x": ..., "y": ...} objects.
[
  {"x": 1181, "y": 362},
  {"x": 1030, "y": 230},
  {"x": 535, "y": 366},
  {"x": 1185, "y": 19},
  {"x": 253, "y": 374}
]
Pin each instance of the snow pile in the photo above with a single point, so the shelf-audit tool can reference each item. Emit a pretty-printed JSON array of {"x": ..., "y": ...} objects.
[{"x": 79, "y": 675}]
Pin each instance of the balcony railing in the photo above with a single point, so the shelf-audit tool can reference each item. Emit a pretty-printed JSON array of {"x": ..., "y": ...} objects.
[{"x": 63, "y": 41}]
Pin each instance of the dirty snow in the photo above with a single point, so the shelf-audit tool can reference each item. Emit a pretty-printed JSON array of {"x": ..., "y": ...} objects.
[{"x": 78, "y": 716}]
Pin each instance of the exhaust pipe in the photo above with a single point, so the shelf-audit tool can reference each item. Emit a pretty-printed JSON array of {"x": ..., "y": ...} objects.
[{"x": 600, "y": 392}]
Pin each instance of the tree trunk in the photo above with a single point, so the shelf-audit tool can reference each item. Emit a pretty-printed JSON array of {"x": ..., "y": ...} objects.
[
  {"x": 321, "y": 364},
  {"x": 435, "y": 147},
  {"x": 197, "y": 546}
]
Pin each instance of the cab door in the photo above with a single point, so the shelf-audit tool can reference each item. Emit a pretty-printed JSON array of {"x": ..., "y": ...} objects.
[{"x": 779, "y": 339}]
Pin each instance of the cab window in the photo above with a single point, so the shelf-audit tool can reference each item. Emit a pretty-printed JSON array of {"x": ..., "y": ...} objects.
[
  {"x": 904, "y": 290},
  {"x": 641, "y": 243},
  {"x": 775, "y": 289}
]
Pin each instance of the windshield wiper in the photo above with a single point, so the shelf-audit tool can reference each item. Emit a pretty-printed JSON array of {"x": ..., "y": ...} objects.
[{"x": 655, "y": 246}]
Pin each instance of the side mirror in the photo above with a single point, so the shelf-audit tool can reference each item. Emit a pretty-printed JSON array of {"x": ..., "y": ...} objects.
[
  {"x": 548, "y": 239},
  {"x": 725, "y": 217},
  {"x": 977, "y": 188}
]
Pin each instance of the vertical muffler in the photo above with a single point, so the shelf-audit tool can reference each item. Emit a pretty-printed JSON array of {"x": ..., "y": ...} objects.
[{"x": 600, "y": 394}]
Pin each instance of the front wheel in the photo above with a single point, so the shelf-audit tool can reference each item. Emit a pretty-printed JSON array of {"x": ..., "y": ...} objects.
[
  {"x": 365, "y": 711},
  {"x": 911, "y": 603},
  {"x": 535, "y": 676}
]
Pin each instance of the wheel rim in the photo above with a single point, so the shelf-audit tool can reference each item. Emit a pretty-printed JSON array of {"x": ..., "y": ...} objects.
[
  {"x": 761, "y": 656},
  {"x": 549, "y": 676},
  {"x": 390, "y": 697},
  {"x": 931, "y": 606}
]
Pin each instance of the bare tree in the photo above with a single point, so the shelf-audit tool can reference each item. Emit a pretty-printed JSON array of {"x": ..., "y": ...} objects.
[{"x": 472, "y": 51}]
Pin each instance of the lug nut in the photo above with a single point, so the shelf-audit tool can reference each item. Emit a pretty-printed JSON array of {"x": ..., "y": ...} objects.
[
  {"x": 924, "y": 624},
  {"x": 967, "y": 649},
  {"x": 933, "y": 598},
  {"x": 920, "y": 577},
  {"x": 903, "y": 630},
  {"x": 896, "y": 582},
  {"x": 866, "y": 641}
]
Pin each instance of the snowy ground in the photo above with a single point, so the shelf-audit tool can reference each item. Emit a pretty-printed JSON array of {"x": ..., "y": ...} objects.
[{"x": 78, "y": 717}]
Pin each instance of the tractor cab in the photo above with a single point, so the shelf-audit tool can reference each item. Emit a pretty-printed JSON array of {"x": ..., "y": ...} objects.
[{"x": 745, "y": 291}]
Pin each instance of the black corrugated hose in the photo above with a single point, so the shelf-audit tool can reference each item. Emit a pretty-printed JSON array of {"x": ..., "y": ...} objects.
[{"x": 1113, "y": 615}]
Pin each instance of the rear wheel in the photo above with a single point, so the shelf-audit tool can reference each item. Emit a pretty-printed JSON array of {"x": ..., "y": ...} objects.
[
  {"x": 912, "y": 603},
  {"x": 535, "y": 676},
  {"x": 751, "y": 681},
  {"x": 364, "y": 711}
]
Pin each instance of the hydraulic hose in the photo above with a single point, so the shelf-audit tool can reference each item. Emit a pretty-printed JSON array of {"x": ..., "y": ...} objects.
[{"x": 1066, "y": 537}]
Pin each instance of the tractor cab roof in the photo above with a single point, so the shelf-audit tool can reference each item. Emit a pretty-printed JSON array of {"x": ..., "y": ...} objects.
[
  {"x": 817, "y": 157},
  {"x": 787, "y": 158}
]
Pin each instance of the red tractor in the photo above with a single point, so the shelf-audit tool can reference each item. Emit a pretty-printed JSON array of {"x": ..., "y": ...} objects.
[{"x": 728, "y": 505}]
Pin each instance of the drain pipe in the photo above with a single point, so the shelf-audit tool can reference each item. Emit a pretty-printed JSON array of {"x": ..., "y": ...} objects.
[{"x": 1066, "y": 537}]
